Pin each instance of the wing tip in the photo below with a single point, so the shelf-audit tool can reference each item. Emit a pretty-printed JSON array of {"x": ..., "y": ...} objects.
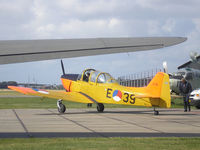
[{"x": 170, "y": 41}]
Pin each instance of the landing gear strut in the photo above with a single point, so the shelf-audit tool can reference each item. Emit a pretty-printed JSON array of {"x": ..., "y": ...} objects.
[
  {"x": 100, "y": 107},
  {"x": 155, "y": 111},
  {"x": 89, "y": 105},
  {"x": 61, "y": 106}
]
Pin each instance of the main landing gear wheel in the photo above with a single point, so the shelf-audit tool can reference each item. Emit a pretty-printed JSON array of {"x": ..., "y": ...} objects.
[
  {"x": 155, "y": 112},
  {"x": 100, "y": 107},
  {"x": 61, "y": 107}
]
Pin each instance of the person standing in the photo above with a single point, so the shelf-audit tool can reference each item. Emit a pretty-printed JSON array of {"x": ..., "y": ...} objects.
[{"x": 185, "y": 89}]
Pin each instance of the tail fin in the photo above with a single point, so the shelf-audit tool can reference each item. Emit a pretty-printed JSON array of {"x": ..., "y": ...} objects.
[{"x": 160, "y": 90}]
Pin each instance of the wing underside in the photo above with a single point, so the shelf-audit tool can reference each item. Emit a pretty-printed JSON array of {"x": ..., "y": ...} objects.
[
  {"x": 16, "y": 51},
  {"x": 68, "y": 96}
]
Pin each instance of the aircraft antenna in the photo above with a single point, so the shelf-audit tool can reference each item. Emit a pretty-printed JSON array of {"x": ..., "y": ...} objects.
[{"x": 63, "y": 69}]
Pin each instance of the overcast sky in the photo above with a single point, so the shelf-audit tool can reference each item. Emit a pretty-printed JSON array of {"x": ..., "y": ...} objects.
[{"x": 46, "y": 19}]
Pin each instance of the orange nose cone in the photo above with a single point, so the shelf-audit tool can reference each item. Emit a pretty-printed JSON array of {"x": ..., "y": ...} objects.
[{"x": 66, "y": 84}]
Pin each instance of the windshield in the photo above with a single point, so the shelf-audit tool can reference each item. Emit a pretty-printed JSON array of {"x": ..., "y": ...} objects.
[
  {"x": 105, "y": 78},
  {"x": 178, "y": 75},
  {"x": 86, "y": 74},
  {"x": 181, "y": 73},
  {"x": 94, "y": 76}
]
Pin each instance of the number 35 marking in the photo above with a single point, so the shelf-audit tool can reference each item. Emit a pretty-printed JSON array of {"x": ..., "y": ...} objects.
[{"x": 129, "y": 97}]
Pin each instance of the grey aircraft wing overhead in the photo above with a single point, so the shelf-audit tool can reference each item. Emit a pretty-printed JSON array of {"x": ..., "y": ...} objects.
[{"x": 16, "y": 51}]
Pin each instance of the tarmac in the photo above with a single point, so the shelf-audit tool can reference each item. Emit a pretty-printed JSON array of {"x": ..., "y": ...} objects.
[{"x": 115, "y": 122}]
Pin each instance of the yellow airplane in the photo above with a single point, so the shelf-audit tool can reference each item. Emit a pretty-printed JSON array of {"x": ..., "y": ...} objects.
[{"x": 97, "y": 87}]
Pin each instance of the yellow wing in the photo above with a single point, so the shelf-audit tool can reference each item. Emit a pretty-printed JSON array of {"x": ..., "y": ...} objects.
[{"x": 68, "y": 96}]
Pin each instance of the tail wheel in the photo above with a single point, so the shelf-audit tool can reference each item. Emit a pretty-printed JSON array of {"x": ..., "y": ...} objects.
[
  {"x": 156, "y": 112},
  {"x": 100, "y": 107}
]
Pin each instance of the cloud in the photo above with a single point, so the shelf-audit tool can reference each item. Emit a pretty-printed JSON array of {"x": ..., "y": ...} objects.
[
  {"x": 169, "y": 25},
  {"x": 196, "y": 22},
  {"x": 51, "y": 19},
  {"x": 153, "y": 27},
  {"x": 33, "y": 19},
  {"x": 171, "y": 8}
]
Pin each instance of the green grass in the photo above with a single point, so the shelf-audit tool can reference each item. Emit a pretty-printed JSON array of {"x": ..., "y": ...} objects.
[
  {"x": 177, "y": 103},
  {"x": 10, "y": 93},
  {"x": 100, "y": 143},
  {"x": 37, "y": 102},
  {"x": 26, "y": 102}
]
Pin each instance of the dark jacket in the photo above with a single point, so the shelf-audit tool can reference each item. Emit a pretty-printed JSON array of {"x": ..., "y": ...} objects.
[{"x": 185, "y": 88}]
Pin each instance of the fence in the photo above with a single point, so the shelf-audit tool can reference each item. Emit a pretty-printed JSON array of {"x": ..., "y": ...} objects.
[{"x": 139, "y": 79}]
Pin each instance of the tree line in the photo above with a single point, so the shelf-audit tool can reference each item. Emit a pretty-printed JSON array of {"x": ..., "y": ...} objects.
[{"x": 5, "y": 84}]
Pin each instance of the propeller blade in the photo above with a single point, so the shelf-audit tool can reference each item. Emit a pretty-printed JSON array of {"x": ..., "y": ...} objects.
[{"x": 63, "y": 69}]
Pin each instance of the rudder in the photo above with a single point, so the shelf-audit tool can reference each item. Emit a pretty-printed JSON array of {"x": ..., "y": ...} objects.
[{"x": 159, "y": 88}]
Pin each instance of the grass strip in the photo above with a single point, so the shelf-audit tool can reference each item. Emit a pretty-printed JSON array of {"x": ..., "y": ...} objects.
[{"x": 100, "y": 143}]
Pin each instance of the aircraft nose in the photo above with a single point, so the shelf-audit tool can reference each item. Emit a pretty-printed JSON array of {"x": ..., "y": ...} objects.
[{"x": 66, "y": 84}]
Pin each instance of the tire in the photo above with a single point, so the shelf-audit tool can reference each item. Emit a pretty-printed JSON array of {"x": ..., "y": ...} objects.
[
  {"x": 62, "y": 109},
  {"x": 100, "y": 107}
]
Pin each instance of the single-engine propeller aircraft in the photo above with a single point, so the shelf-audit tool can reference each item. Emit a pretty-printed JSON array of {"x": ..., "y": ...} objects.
[{"x": 93, "y": 86}]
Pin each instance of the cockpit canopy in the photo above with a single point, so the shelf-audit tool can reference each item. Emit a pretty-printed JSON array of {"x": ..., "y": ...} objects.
[
  {"x": 91, "y": 75},
  {"x": 188, "y": 75}
]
